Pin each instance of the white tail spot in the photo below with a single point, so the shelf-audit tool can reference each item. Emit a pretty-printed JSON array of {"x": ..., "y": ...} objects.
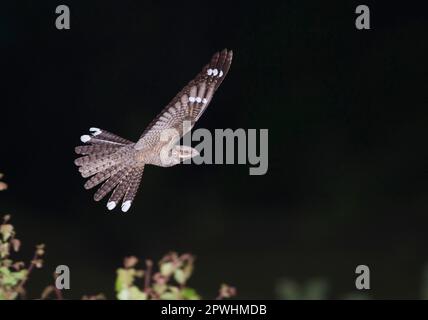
[
  {"x": 192, "y": 99},
  {"x": 126, "y": 205},
  {"x": 85, "y": 138},
  {"x": 111, "y": 205},
  {"x": 198, "y": 99},
  {"x": 209, "y": 72},
  {"x": 215, "y": 72},
  {"x": 204, "y": 101},
  {"x": 220, "y": 74}
]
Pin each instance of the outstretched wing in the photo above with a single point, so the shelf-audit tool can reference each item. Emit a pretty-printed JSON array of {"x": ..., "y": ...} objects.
[{"x": 190, "y": 103}]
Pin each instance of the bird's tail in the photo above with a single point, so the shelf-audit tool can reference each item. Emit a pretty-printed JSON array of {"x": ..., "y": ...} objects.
[{"x": 108, "y": 159}]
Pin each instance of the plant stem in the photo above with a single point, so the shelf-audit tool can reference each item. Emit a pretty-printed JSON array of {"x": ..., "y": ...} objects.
[
  {"x": 147, "y": 276},
  {"x": 20, "y": 287}
]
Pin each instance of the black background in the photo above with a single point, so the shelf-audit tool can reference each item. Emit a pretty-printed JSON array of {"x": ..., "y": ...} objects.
[{"x": 347, "y": 119}]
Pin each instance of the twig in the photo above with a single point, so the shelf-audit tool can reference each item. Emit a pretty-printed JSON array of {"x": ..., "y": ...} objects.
[
  {"x": 20, "y": 287},
  {"x": 147, "y": 276},
  {"x": 58, "y": 293}
]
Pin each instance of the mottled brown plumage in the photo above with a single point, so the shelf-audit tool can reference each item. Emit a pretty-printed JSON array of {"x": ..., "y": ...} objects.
[{"x": 118, "y": 163}]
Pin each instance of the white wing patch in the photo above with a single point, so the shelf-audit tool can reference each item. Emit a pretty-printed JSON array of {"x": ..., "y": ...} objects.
[{"x": 95, "y": 131}]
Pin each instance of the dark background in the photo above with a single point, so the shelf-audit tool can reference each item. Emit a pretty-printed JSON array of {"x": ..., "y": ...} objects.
[{"x": 347, "y": 117}]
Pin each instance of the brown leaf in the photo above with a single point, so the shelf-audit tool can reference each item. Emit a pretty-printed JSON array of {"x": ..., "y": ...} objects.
[
  {"x": 130, "y": 262},
  {"x": 16, "y": 244},
  {"x": 4, "y": 250},
  {"x": 18, "y": 265},
  {"x": 6, "y": 230},
  {"x": 40, "y": 250},
  {"x": 47, "y": 291},
  {"x": 226, "y": 291},
  {"x": 38, "y": 263},
  {"x": 159, "y": 278}
]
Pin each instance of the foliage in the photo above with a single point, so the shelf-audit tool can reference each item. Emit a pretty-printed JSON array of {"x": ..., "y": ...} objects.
[
  {"x": 169, "y": 282},
  {"x": 14, "y": 274},
  {"x": 315, "y": 289}
]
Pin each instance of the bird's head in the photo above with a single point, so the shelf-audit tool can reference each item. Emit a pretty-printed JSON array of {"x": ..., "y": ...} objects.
[{"x": 182, "y": 153}]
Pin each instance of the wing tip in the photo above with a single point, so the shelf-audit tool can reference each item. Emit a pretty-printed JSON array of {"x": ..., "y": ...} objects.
[{"x": 230, "y": 55}]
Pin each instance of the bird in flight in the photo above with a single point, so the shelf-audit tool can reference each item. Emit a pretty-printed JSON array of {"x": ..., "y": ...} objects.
[{"x": 119, "y": 163}]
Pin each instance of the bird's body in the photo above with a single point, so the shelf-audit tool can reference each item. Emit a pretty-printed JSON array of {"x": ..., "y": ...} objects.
[{"x": 119, "y": 163}]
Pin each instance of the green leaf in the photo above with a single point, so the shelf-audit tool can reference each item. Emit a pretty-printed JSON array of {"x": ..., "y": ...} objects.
[
  {"x": 123, "y": 295},
  {"x": 4, "y": 271},
  {"x": 132, "y": 293},
  {"x": 173, "y": 293},
  {"x": 4, "y": 250},
  {"x": 169, "y": 296},
  {"x": 136, "y": 294},
  {"x": 9, "y": 280},
  {"x": 179, "y": 276},
  {"x": 188, "y": 270},
  {"x": 167, "y": 269},
  {"x": 159, "y": 288},
  {"x": 189, "y": 294},
  {"x": 20, "y": 275},
  {"x": 124, "y": 279}
]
